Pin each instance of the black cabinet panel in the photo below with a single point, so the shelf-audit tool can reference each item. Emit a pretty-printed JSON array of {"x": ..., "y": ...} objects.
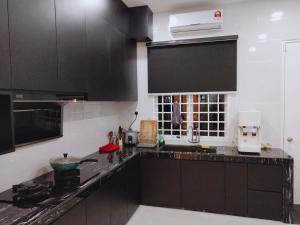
[
  {"x": 203, "y": 186},
  {"x": 98, "y": 206},
  {"x": 117, "y": 15},
  {"x": 33, "y": 44},
  {"x": 265, "y": 177},
  {"x": 133, "y": 186},
  {"x": 71, "y": 45},
  {"x": 161, "y": 182},
  {"x": 265, "y": 205},
  {"x": 98, "y": 33},
  {"x": 5, "y": 73},
  {"x": 76, "y": 216},
  {"x": 141, "y": 23},
  {"x": 236, "y": 188},
  {"x": 6, "y": 121},
  {"x": 118, "y": 189},
  {"x": 118, "y": 64}
]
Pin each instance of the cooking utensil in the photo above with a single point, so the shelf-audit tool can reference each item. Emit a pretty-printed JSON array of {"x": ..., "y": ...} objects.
[
  {"x": 131, "y": 136},
  {"x": 68, "y": 163}
]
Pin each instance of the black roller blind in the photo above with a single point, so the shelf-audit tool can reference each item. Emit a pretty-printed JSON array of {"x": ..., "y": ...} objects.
[{"x": 195, "y": 67}]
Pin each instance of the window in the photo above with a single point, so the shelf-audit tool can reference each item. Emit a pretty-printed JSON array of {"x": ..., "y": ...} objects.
[{"x": 206, "y": 112}]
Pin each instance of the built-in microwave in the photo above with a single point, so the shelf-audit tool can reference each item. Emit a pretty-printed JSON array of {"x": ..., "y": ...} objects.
[{"x": 37, "y": 121}]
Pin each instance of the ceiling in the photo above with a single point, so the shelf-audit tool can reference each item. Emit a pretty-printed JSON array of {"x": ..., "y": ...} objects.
[{"x": 169, "y": 5}]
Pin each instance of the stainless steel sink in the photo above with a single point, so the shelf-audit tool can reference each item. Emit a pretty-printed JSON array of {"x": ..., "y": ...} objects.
[{"x": 188, "y": 148}]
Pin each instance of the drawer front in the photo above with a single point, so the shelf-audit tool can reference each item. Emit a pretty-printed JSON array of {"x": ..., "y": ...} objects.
[
  {"x": 265, "y": 178},
  {"x": 236, "y": 188},
  {"x": 265, "y": 205}
]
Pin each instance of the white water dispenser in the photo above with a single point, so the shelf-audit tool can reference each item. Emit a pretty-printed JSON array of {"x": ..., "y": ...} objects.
[{"x": 249, "y": 132}]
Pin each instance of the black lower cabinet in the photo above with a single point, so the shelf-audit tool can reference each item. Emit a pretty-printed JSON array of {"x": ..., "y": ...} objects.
[
  {"x": 203, "y": 186},
  {"x": 75, "y": 216},
  {"x": 98, "y": 206},
  {"x": 118, "y": 198},
  {"x": 236, "y": 189},
  {"x": 265, "y": 191},
  {"x": 265, "y": 205},
  {"x": 133, "y": 186},
  {"x": 160, "y": 182}
]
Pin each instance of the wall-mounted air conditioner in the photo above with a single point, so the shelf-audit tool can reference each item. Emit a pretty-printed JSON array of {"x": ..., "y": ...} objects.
[{"x": 196, "y": 21}]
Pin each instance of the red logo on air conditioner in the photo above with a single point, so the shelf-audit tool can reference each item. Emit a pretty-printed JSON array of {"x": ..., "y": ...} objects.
[{"x": 218, "y": 14}]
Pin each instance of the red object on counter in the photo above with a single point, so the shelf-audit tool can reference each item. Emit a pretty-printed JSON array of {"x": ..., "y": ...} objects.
[{"x": 109, "y": 148}]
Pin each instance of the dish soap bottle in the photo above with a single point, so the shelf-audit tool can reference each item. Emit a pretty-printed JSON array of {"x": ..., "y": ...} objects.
[{"x": 161, "y": 140}]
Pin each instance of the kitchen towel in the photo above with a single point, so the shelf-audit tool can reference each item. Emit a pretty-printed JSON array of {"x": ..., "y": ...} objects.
[
  {"x": 109, "y": 148},
  {"x": 176, "y": 116}
]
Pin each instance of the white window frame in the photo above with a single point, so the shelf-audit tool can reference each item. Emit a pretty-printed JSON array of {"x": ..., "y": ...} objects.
[{"x": 190, "y": 112}]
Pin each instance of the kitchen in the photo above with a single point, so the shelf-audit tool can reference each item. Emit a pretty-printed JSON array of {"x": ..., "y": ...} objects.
[{"x": 90, "y": 59}]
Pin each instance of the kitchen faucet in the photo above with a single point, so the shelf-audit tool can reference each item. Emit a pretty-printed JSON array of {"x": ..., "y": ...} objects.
[{"x": 194, "y": 138}]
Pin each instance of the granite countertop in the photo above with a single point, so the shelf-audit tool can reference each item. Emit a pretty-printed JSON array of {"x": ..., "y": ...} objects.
[{"x": 92, "y": 173}]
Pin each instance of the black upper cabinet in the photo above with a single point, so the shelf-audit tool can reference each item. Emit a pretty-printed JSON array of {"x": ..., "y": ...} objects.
[
  {"x": 71, "y": 45},
  {"x": 203, "y": 186},
  {"x": 5, "y": 73},
  {"x": 33, "y": 44},
  {"x": 111, "y": 59},
  {"x": 141, "y": 23},
  {"x": 98, "y": 51},
  {"x": 118, "y": 15},
  {"x": 118, "y": 64}
]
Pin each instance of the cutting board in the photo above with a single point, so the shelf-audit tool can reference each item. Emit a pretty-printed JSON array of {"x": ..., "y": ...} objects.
[{"x": 148, "y": 132}]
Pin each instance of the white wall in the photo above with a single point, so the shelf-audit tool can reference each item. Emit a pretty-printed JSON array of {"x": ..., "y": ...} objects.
[
  {"x": 259, "y": 61},
  {"x": 85, "y": 128}
]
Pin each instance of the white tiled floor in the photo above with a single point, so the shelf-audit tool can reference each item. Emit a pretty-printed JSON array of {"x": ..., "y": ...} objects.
[{"x": 146, "y": 215}]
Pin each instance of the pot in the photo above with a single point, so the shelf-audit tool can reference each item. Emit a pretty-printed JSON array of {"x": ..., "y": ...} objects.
[
  {"x": 130, "y": 137},
  {"x": 68, "y": 163}
]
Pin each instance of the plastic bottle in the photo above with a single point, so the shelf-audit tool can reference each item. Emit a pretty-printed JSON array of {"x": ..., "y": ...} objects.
[{"x": 161, "y": 140}]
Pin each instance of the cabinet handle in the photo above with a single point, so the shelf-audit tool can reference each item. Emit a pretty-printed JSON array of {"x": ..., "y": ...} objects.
[{"x": 289, "y": 139}]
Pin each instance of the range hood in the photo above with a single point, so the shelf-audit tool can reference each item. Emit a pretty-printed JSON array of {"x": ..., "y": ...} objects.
[{"x": 23, "y": 96}]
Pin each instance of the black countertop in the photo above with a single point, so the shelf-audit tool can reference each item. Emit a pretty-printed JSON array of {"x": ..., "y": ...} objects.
[{"x": 92, "y": 173}]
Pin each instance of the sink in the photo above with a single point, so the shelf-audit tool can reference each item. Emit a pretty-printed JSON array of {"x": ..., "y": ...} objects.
[{"x": 188, "y": 148}]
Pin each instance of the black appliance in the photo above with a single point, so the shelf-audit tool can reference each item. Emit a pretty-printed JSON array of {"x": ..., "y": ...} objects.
[
  {"x": 29, "y": 193},
  {"x": 66, "y": 180},
  {"x": 37, "y": 121}
]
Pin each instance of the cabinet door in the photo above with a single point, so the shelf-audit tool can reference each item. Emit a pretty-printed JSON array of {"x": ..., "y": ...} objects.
[
  {"x": 6, "y": 121},
  {"x": 133, "y": 186},
  {"x": 5, "y": 73},
  {"x": 236, "y": 188},
  {"x": 33, "y": 44},
  {"x": 98, "y": 32},
  {"x": 203, "y": 186},
  {"x": 265, "y": 177},
  {"x": 76, "y": 216},
  {"x": 98, "y": 206},
  {"x": 118, "y": 64},
  {"x": 161, "y": 182},
  {"x": 265, "y": 205},
  {"x": 118, "y": 198},
  {"x": 71, "y": 45}
]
